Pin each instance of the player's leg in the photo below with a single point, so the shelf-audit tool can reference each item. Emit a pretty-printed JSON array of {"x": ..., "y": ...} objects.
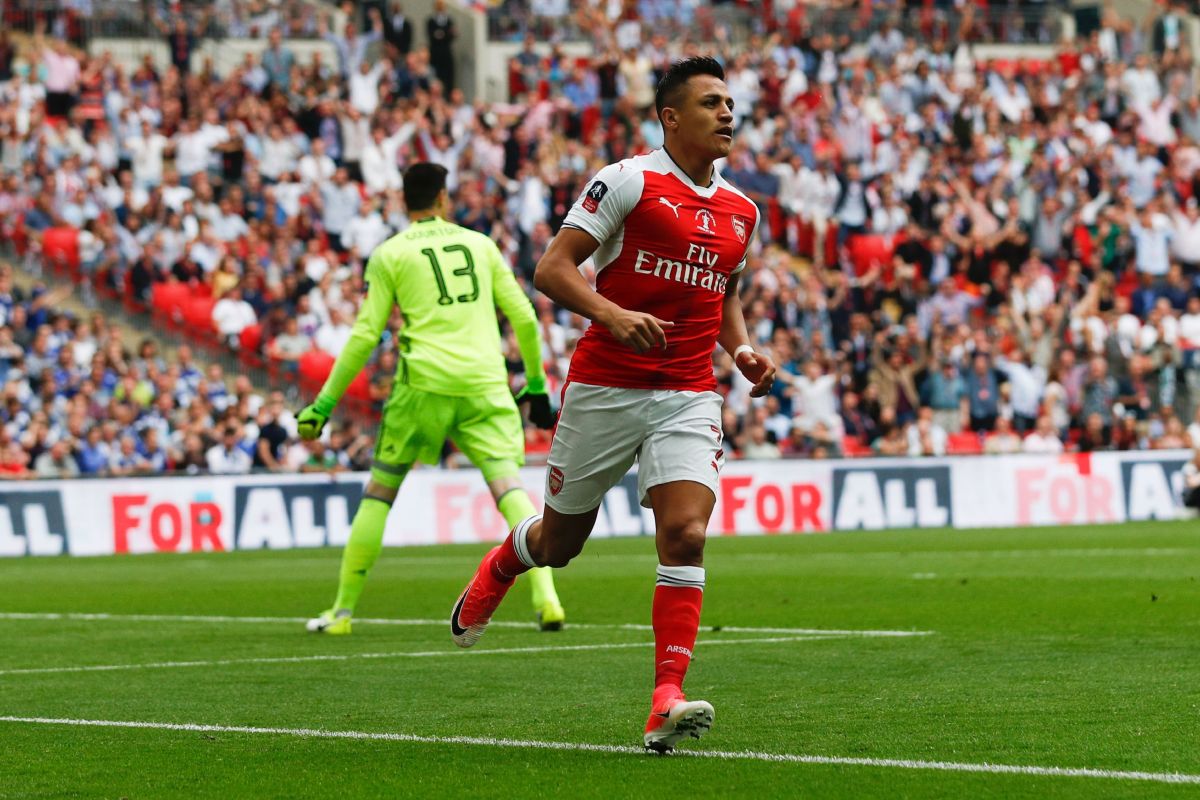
[
  {"x": 489, "y": 431},
  {"x": 515, "y": 505},
  {"x": 678, "y": 476},
  {"x": 359, "y": 555},
  {"x": 413, "y": 427},
  {"x": 594, "y": 446},
  {"x": 681, "y": 512}
]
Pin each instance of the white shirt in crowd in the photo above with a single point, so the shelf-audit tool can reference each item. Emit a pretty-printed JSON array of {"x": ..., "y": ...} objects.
[
  {"x": 234, "y": 461},
  {"x": 1152, "y": 253},
  {"x": 1185, "y": 244},
  {"x": 364, "y": 89},
  {"x": 1189, "y": 330},
  {"x": 820, "y": 192},
  {"x": 191, "y": 153},
  {"x": 316, "y": 169},
  {"x": 279, "y": 155},
  {"x": 146, "y": 157},
  {"x": 332, "y": 336},
  {"x": 1048, "y": 444},
  {"x": 232, "y": 316},
  {"x": 365, "y": 233}
]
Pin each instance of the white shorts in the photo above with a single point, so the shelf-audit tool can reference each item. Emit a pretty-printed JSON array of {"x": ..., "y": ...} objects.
[{"x": 674, "y": 435}]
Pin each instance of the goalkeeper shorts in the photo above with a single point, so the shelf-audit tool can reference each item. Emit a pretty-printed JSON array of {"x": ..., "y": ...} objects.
[{"x": 416, "y": 424}]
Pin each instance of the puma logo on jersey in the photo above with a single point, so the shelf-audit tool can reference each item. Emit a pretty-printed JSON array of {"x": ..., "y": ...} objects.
[{"x": 673, "y": 206}]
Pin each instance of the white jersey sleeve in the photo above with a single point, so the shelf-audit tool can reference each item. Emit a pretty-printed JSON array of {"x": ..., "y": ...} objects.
[{"x": 601, "y": 210}]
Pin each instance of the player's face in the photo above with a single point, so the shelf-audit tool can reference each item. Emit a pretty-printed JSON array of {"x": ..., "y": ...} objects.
[{"x": 706, "y": 116}]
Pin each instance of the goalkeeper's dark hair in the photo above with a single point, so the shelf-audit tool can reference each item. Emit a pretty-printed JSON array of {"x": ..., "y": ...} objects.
[
  {"x": 423, "y": 182},
  {"x": 669, "y": 88}
]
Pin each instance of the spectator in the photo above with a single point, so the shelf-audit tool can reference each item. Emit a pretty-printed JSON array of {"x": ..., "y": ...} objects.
[
  {"x": 227, "y": 457},
  {"x": 441, "y": 33},
  {"x": 981, "y": 405},
  {"x": 1003, "y": 440},
  {"x": 231, "y": 315},
  {"x": 757, "y": 446},
  {"x": 926, "y": 437},
  {"x": 56, "y": 462},
  {"x": 1043, "y": 440}
]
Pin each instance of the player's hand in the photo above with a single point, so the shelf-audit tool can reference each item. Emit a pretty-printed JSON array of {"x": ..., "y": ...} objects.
[
  {"x": 638, "y": 330},
  {"x": 310, "y": 422},
  {"x": 540, "y": 413},
  {"x": 759, "y": 369}
]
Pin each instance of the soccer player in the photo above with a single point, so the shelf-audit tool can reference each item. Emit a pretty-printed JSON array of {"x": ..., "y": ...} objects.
[
  {"x": 668, "y": 237},
  {"x": 451, "y": 381}
]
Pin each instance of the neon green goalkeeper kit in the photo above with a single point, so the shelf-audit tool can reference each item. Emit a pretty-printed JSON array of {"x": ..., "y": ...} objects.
[{"x": 451, "y": 380}]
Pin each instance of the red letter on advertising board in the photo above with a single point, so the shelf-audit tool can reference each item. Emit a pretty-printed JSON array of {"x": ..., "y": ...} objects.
[
  {"x": 806, "y": 507},
  {"x": 166, "y": 543},
  {"x": 1027, "y": 492},
  {"x": 206, "y": 521},
  {"x": 768, "y": 506},
  {"x": 123, "y": 521},
  {"x": 730, "y": 501},
  {"x": 445, "y": 507}
]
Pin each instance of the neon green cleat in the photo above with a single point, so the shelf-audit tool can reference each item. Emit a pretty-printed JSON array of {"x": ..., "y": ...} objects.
[
  {"x": 551, "y": 616},
  {"x": 331, "y": 622}
]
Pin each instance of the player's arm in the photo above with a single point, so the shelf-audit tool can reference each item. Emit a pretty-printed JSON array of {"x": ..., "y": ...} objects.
[
  {"x": 372, "y": 318},
  {"x": 758, "y": 368},
  {"x": 598, "y": 214},
  {"x": 557, "y": 276},
  {"x": 511, "y": 300}
]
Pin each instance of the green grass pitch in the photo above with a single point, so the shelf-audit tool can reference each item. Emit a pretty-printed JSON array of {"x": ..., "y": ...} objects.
[{"x": 1074, "y": 648}]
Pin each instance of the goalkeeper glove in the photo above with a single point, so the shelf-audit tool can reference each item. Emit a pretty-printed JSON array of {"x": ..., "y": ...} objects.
[
  {"x": 540, "y": 413},
  {"x": 311, "y": 421}
]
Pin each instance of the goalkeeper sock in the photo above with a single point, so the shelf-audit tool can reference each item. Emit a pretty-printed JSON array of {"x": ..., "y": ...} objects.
[
  {"x": 678, "y": 594},
  {"x": 366, "y": 540},
  {"x": 516, "y": 506},
  {"x": 513, "y": 557}
]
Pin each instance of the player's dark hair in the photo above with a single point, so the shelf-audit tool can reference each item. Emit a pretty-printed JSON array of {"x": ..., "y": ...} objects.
[
  {"x": 667, "y": 93},
  {"x": 423, "y": 182}
]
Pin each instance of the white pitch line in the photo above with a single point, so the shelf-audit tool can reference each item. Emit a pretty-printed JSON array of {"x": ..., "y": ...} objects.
[
  {"x": 99, "y": 617},
  {"x": 724, "y": 755},
  {"x": 448, "y": 653}
]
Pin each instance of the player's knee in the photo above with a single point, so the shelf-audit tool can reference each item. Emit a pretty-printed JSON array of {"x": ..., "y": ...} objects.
[
  {"x": 554, "y": 553},
  {"x": 682, "y": 543},
  {"x": 554, "y": 548}
]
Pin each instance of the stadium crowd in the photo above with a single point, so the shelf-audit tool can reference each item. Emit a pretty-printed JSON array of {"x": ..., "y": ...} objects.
[{"x": 954, "y": 255}]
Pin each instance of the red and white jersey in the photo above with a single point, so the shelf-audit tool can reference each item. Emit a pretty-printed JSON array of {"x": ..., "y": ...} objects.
[{"x": 667, "y": 247}]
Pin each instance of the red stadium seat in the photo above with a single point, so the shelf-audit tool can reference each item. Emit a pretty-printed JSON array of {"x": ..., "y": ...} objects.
[
  {"x": 167, "y": 301},
  {"x": 60, "y": 248},
  {"x": 314, "y": 367},
  {"x": 868, "y": 251},
  {"x": 360, "y": 387},
  {"x": 963, "y": 444},
  {"x": 853, "y": 448},
  {"x": 198, "y": 320},
  {"x": 251, "y": 338}
]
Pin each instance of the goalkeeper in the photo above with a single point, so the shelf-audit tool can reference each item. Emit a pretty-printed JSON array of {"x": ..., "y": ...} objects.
[{"x": 451, "y": 380}]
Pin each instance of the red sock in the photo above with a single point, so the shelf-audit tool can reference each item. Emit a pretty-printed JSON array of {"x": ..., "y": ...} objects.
[
  {"x": 676, "y": 616},
  {"x": 507, "y": 563}
]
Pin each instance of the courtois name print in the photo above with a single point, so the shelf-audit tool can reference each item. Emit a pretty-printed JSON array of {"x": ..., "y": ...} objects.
[{"x": 595, "y": 194}]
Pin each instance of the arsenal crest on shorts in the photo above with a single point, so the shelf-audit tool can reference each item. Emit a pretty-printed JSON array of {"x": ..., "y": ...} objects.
[
  {"x": 739, "y": 227},
  {"x": 555, "y": 481}
]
